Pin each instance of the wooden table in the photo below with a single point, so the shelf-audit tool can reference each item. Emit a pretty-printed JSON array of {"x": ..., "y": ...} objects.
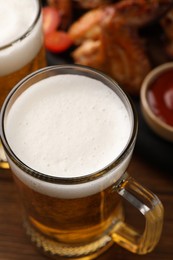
[{"x": 15, "y": 245}]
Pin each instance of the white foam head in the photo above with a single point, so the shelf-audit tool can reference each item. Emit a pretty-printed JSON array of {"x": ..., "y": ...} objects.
[
  {"x": 16, "y": 17},
  {"x": 69, "y": 126}
]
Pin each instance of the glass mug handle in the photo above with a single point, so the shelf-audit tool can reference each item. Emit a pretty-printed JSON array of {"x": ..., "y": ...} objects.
[{"x": 151, "y": 208}]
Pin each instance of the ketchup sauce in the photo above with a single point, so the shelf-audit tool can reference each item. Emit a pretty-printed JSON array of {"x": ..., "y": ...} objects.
[{"x": 160, "y": 97}]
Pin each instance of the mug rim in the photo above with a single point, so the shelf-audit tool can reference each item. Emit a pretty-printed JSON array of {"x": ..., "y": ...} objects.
[
  {"x": 80, "y": 179},
  {"x": 26, "y": 33}
]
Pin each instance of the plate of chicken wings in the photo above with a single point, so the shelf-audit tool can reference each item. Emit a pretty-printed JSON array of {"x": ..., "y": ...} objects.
[{"x": 125, "y": 39}]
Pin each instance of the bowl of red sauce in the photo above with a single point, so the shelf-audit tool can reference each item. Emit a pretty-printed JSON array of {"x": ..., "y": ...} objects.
[{"x": 156, "y": 97}]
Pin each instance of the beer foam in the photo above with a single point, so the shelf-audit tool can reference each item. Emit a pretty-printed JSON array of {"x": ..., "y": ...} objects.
[
  {"x": 16, "y": 17},
  {"x": 68, "y": 126},
  {"x": 73, "y": 191}
]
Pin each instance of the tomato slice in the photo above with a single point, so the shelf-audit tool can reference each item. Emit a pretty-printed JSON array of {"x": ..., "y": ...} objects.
[
  {"x": 51, "y": 19},
  {"x": 57, "y": 41}
]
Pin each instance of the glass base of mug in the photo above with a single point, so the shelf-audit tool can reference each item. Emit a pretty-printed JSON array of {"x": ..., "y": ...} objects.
[
  {"x": 56, "y": 250},
  {"x": 3, "y": 160}
]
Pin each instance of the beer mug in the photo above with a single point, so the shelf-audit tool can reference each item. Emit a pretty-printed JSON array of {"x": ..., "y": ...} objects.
[
  {"x": 21, "y": 45},
  {"x": 69, "y": 132}
]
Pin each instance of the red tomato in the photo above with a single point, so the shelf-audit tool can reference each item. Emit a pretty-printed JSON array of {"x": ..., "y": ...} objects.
[
  {"x": 51, "y": 19},
  {"x": 57, "y": 41}
]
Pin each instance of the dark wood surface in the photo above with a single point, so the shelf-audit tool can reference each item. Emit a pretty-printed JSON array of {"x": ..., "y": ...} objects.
[{"x": 15, "y": 245}]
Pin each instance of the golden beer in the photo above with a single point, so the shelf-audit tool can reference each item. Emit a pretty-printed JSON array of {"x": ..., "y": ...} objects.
[
  {"x": 72, "y": 221},
  {"x": 7, "y": 82}
]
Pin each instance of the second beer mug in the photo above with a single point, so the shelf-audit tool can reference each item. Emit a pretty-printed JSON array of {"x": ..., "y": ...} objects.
[
  {"x": 21, "y": 45},
  {"x": 69, "y": 133}
]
